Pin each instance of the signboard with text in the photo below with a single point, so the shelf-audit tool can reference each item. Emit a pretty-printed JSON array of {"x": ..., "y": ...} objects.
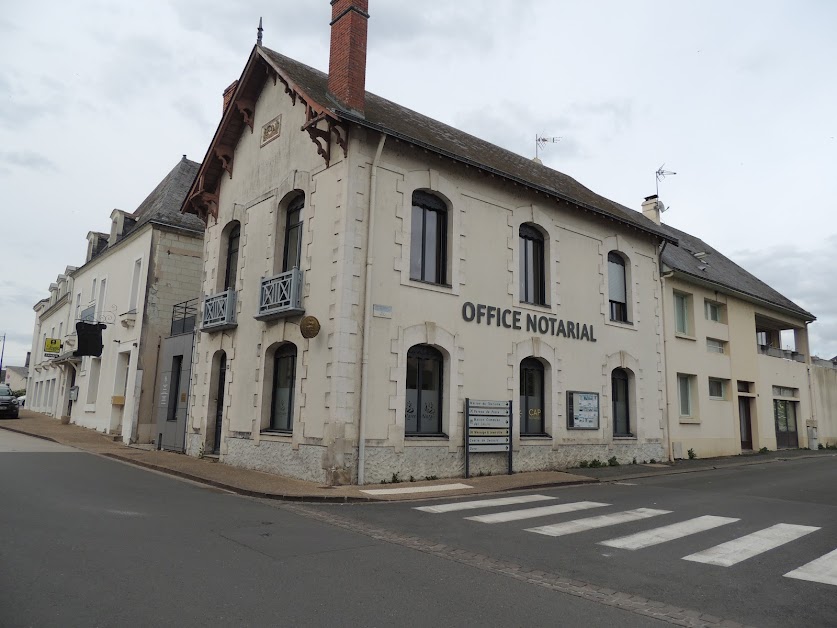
[
  {"x": 582, "y": 410},
  {"x": 52, "y": 347},
  {"x": 488, "y": 428}
]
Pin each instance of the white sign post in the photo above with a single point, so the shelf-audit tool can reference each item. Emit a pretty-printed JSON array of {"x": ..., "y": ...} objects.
[{"x": 488, "y": 428}]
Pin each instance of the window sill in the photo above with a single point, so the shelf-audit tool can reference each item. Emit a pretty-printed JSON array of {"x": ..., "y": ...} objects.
[
  {"x": 620, "y": 324},
  {"x": 718, "y": 399},
  {"x": 624, "y": 437},
  {"x": 536, "y": 439},
  {"x": 275, "y": 436},
  {"x": 430, "y": 285},
  {"x": 537, "y": 307},
  {"x": 690, "y": 419},
  {"x": 677, "y": 334},
  {"x": 90, "y": 407},
  {"x": 420, "y": 439}
]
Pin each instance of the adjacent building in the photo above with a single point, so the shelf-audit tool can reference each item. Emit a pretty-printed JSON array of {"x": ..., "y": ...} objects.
[
  {"x": 737, "y": 357},
  {"x": 131, "y": 279}
]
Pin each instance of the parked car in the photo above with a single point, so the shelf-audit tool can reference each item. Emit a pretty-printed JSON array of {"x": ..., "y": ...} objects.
[
  {"x": 21, "y": 401},
  {"x": 8, "y": 403}
]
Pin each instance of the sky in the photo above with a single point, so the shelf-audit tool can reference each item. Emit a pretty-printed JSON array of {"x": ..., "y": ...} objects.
[{"x": 99, "y": 99}]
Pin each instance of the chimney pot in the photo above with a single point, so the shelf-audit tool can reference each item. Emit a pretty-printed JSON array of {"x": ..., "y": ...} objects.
[
  {"x": 651, "y": 208},
  {"x": 347, "y": 58}
]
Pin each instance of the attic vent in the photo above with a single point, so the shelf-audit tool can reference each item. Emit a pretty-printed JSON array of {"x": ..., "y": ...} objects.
[{"x": 700, "y": 255}]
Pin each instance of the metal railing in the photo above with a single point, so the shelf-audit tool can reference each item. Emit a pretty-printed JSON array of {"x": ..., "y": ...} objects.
[
  {"x": 219, "y": 311},
  {"x": 183, "y": 317},
  {"x": 281, "y": 295}
]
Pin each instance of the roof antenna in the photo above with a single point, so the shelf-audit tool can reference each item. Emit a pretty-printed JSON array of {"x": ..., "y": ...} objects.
[
  {"x": 662, "y": 174},
  {"x": 540, "y": 143},
  {"x": 259, "y": 33}
]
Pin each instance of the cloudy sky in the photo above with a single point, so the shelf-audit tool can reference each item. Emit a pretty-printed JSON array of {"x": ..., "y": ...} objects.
[{"x": 99, "y": 99}]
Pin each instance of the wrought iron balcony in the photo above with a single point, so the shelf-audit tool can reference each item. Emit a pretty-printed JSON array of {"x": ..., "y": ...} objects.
[
  {"x": 281, "y": 295},
  {"x": 219, "y": 311}
]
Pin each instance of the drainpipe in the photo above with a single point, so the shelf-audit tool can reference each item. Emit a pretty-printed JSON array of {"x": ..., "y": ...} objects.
[
  {"x": 367, "y": 316},
  {"x": 665, "y": 350}
]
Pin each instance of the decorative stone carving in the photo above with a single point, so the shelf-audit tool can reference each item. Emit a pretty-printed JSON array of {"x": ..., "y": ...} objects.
[
  {"x": 309, "y": 327},
  {"x": 271, "y": 130}
]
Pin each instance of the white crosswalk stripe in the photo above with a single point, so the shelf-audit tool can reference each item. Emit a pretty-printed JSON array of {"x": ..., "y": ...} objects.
[
  {"x": 737, "y": 550},
  {"x": 602, "y": 521},
  {"x": 668, "y": 533},
  {"x": 528, "y": 513},
  {"x": 823, "y": 569},
  {"x": 484, "y": 503}
]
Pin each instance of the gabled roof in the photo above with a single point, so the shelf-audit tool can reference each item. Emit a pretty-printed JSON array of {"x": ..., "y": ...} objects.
[
  {"x": 21, "y": 371},
  {"x": 713, "y": 267},
  {"x": 310, "y": 86}
]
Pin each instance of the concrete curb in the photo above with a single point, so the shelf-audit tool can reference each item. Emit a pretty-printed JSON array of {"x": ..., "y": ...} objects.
[{"x": 47, "y": 438}]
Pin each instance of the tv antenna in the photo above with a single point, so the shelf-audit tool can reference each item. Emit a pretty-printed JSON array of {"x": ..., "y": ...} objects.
[
  {"x": 541, "y": 141},
  {"x": 662, "y": 174}
]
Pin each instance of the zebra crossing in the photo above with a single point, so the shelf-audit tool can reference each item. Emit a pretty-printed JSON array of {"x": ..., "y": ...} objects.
[{"x": 727, "y": 554}]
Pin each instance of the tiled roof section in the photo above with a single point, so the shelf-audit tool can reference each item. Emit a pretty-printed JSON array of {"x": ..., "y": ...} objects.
[
  {"x": 22, "y": 371},
  {"x": 718, "y": 269},
  {"x": 409, "y": 125},
  {"x": 163, "y": 204}
]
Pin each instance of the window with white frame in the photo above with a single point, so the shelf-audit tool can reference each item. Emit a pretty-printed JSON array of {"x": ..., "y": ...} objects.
[
  {"x": 785, "y": 391},
  {"x": 617, "y": 287},
  {"x": 717, "y": 388},
  {"x": 714, "y": 311},
  {"x": 684, "y": 393},
  {"x": 713, "y": 345},
  {"x": 135, "y": 281},
  {"x": 682, "y": 318}
]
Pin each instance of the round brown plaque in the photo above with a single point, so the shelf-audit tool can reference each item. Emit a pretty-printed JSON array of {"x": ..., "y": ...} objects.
[{"x": 309, "y": 326}]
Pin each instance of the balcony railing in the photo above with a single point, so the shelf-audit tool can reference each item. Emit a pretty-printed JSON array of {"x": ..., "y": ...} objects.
[
  {"x": 281, "y": 295},
  {"x": 785, "y": 354},
  {"x": 219, "y": 311}
]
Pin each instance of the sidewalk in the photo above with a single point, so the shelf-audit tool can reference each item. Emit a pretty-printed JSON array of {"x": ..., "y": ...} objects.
[{"x": 258, "y": 484}]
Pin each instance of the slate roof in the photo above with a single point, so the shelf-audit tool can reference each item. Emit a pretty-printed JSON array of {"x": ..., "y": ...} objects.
[
  {"x": 718, "y": 269},
  {"x": 386, "y": 116},
  {"x": 163, "y": 204},
  {"x": 21, "y": 371}
]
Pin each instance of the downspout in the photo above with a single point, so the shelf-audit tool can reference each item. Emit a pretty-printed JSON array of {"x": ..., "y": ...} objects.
[
  {"x": 367, "y": 315},
  {"x": 665, "y": 349}
]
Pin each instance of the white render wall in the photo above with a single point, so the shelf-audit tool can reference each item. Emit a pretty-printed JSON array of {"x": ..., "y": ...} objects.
[
  {"x": 481, "y": 361},
  {"x": 714, "y": 428}
]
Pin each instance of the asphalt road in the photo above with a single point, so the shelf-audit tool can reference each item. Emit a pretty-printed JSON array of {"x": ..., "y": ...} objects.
[
  {"x": 88, "y": 541},
  {"x": 801, "y": 495}
]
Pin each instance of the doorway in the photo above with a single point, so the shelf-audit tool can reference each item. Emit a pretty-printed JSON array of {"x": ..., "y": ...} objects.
[
  {"x": 219, "y": 402},
  {"x": 745, "y": 421},
  {"x": 784, "y": 413}
]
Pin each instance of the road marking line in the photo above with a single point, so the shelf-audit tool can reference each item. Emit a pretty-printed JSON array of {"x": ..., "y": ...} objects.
[
  {"x": 737, "y": 550},
  {"x": 484, "y": 503},
  {"x": 528, "y": 513},
  {"x": 668, "y": 533},
  {"x": 823, "y": 569},
  {"x": 416, "y": 489},
  {"x": 602, "y": 521}
]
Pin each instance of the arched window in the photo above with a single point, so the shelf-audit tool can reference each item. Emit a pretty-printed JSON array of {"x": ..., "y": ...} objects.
[
  {"x": 293, "y": 234},
  {"x": 532, "y": 284},
  {"x": 423, "y": 411},
  {"x": 282, "y": 396},
  {"x": 232, "y": 257},
  {"x": 428, "y": 239},
  {"x": 617, "y": 287},
  {"x": 532, "y": 411},
  {"x": 621, "y": 403}
]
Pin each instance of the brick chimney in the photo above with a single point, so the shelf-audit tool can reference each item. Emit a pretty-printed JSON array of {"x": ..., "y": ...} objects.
[
  {"x": 347, "y": 59},
  {"x": 228, "y": 94}
]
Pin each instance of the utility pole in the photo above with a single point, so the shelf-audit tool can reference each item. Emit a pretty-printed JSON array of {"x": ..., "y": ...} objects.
[{"x": 2, "y": 351}]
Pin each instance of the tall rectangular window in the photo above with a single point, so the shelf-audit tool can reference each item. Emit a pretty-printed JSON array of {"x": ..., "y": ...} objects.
[
  {"x": 532, "y": 285},
  {"x": 681, "y": 313},
  {"x": 532, "y": 397},
  {"x": 78, "y": 307},
  {"x": 428, "y": 239},
  {"x": 284, "y": 379},
  {"x": 293, "y": 235},
  {"x": 423, "y": 407},
  {"x": 135, "y": 281},
  {"x": 617, "y": 287},
  {"x": 174, "y": 389},
  {"x": 100, "y": 303},
  {"x": 684, "y": 390}
]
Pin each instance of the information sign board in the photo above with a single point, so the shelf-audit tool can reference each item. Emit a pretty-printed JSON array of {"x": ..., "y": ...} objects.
[
  {"x": 52, "y": 347},
  {"x": 582, "y": 410},
  {"x": 488, "y": 428}
]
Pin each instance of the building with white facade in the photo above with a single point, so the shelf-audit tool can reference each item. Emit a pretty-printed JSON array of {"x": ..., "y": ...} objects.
[
  {"x": 130, "y": 281},
  {"x": 737, "y": 357},
  {"x": 367, "y": 270}
]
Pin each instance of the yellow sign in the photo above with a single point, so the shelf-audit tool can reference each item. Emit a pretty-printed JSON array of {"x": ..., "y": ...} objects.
[{"x": 52, "y": 346}]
